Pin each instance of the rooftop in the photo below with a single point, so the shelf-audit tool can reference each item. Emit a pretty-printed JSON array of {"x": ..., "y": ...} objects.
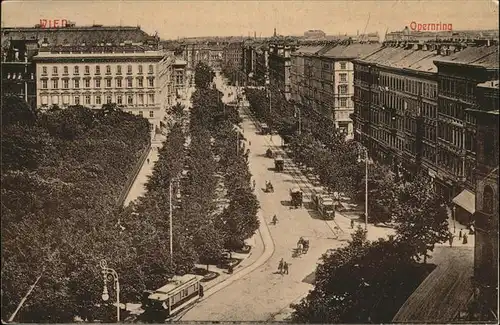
[
  {"x": 88, "y": 55},
  {"x": 403, "y": 58},
  {"x": 308, "y": 49},
  {"x": 484, "y": 56},
  {"x": 89, "y": 35},
  {"x": 353, "y": 50}
]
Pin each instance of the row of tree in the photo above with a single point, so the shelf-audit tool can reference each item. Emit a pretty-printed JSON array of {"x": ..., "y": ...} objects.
[{"x": 62, "y": 172}]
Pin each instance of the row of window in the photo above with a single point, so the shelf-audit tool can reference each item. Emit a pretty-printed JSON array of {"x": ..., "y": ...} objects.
[
  {"x": 457, "y": 88},
  {"x": 97, "y": 83},
  {"x": 97, "y": 99},
  {"x": 429, "y": 153},
  {"x": 414, "y": 87},
  {"x": 450, "y": 162},
  {"x": 97, "y": 69},
  {"x": 451, "y": 134}
]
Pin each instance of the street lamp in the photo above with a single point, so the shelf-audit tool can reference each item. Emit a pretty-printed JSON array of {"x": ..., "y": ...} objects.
[
  {"x": 110, "y": 275},
  {"x": 453, "y": 208},
  {"x": 366, "y": 185}
]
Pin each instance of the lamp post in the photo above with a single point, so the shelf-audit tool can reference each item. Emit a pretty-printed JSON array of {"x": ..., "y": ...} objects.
[
  {"x": 453, "y": 208},
  {"x": 111, "y": 275},
  {"x": 366, "y": 186}
]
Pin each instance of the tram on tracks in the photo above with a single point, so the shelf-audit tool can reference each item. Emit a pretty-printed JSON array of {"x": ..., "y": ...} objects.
[{"x": 177, "y": 295}]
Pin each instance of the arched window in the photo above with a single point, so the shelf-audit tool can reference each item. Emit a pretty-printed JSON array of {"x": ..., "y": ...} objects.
[{"x": 488, "y": 199}]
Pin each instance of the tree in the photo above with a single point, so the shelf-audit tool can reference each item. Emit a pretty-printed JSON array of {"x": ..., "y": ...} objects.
[
  {"x": 16, "y": 111},
  {"x": 421, "y": 216},
  {"x": 359, "y": 283},
  {"x": 203, "y": 76}
]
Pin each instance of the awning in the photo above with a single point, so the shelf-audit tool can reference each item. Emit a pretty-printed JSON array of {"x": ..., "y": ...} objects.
[{"x": 466, "y": 200}]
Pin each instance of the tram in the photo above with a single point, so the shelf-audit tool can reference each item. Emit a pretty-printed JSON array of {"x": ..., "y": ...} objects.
[{"x": 178, "y": 294}]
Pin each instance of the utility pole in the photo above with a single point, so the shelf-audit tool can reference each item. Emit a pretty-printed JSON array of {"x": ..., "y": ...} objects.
[{"x": 170, "y": 224}]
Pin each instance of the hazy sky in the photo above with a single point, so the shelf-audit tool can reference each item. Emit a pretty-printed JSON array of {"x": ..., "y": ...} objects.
[{"x": 183, "y": 18}]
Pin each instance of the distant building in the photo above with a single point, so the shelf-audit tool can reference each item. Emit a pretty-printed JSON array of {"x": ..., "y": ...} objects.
[
  {"x": 233, "y": 54},
  {"x": 486, "y": 215},
  {"x": 314, "y": 33}
]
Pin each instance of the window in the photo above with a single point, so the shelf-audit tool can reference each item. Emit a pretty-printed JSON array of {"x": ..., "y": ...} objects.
[
  {"x": 130, "y": 100},
  {"x": 54, "y": 70},
  {"x": 343, "y": 89},
  {"x": 45, "y": 100},
  {"x": 129, "y": 69},
  {"x": 151, "y": 82},
  {"x": 150, "y": 68},
  {"x": 343, "y": 102},
  {"x": 119, "y": 99},
  {"x": 87, "y": 99},
  {"x": 76, "y": 70},
  {"x": 108, "y": 99},
  {"x": 76, "y": 84},
  {"x": 55, "y": 100},
  {"x": 98, "y": 83},
  {"x": 141, "y": 99},
  {"x": 118, "y": 83},
  {"x": 55, "y": 84},
  {"x": 129, "y": 83},
  {"x": 87, "y": 83},
  {"x": 140, "y": 83},
  {"x": 343, "y": 65},
  {"x": 77, "y": 100},
  {"x": 44, "y": 84},
  {"x": 119, "y": 69},
  {"x": 108, "y": 83},
  {"x": 140, "y": 113},
  {"x": 97, "y": 69},
  {"x": 343, "y": 77},
  {"x": 65, "y": 99},
  {"x": 98, "y": 100},
  {"x": 140, "y": 69},
  {"x": 65, "y": 70},
  {"x": 108, "y": 69},
  {"x": 151, "y": 114},
  {"x": 151, "y": 99},
  {"x": 65, "y": 84},
  {"x": 44, "y": 70},
  {"x": 87, "y": 69}
]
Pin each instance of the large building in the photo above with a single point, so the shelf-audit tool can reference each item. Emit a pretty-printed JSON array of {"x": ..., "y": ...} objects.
[
  {"x": 232, "y": 54},
  {"x": 314, "y": 33},
  {"x": 407, "y": 114},
  {"x": 486, "y": 114},
  {"x": 322, "y": 80},
  {"x": 457, "y": 77},
  {"x": 92, "y": 77},
  {"x": 255, "y": 63}
]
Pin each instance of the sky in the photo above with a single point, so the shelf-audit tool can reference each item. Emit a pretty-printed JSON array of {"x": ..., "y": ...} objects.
[{"x": 185, "y": 18}]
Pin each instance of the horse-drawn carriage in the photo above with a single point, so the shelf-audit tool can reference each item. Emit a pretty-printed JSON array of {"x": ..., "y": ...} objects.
[
  {"x": 269, "y": 153},
  {"x": 296, "y": 197},
  {"x": 302, "y": 246},
  {"x": 279, "y": 164}
]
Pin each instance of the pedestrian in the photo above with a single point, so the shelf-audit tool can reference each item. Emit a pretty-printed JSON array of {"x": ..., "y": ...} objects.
[
  {"x": 464, "y": 239},
  {"x": 450, "y": 239},
  {"x": 280, "y": 267},
  {"x": 460, "y": 234},
  {"x": 253, "y": 184},
  {"x": 352, "y": 224},
  {"x": 148, "y": 160},
  {"x": 249, "y": 143},
  {"x": 285, "y": 267}
]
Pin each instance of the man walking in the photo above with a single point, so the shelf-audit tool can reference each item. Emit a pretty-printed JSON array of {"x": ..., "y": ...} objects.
[
  {"x": 280, "y": 267},
  {"x": 450, "y": 239},
  {"x": 352, "y": 224},
  {"x": 285, "y": 267}
]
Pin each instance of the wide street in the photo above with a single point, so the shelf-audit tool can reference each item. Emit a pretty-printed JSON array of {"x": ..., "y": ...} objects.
[{"x": 260, "y": 295}]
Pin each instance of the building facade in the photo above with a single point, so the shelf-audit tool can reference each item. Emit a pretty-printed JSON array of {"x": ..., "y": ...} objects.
[
  {"x": 403, "y": 84},
  {"x": 486, "y": 216},
  {"x": 81, "y": 76},
  {"x": 457, "y": 78},
  {"x": 280, "y": 64},
  {"x": 232, "y": 54},
  {"x": 322, "y": 79},
  {"x": 18, "y": 70}
]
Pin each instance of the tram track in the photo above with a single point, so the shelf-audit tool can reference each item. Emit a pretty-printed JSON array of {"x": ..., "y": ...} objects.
[{"x": 294, "y": 171}]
